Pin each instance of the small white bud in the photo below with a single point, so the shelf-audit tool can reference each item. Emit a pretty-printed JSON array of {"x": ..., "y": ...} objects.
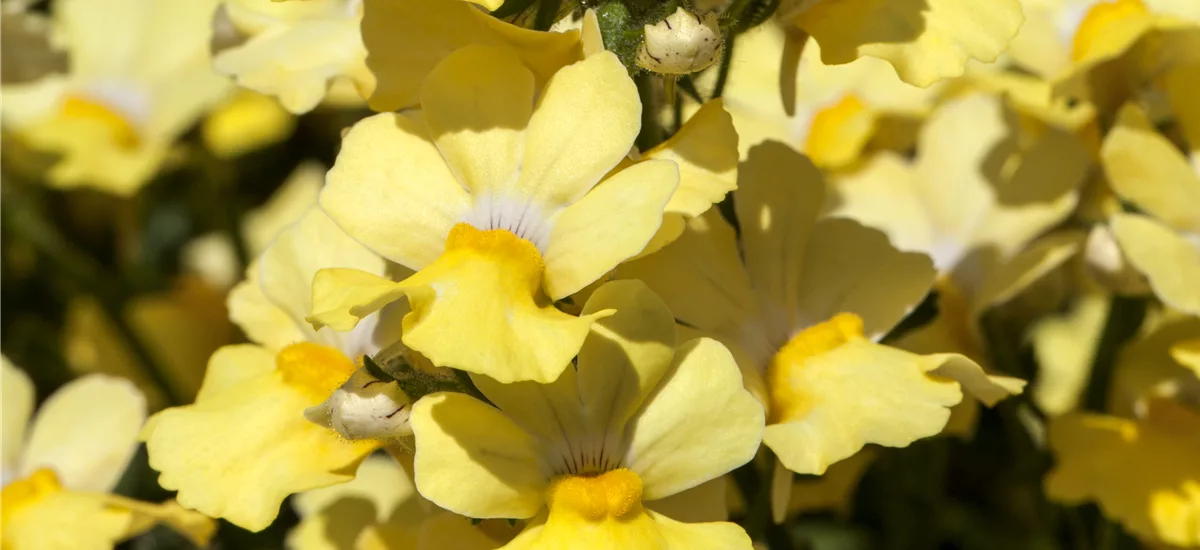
[
  {"x": 1109, "y": 265},
  {"x": 683, "y": 43},
  {"x": 365, "y": 408}
]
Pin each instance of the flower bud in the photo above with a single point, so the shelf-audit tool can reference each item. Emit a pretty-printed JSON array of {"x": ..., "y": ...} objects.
[
  {"x": 365, "y": 408},
  {"x": 1108, "y": 263},
  {"x": 683, "y": 43}
]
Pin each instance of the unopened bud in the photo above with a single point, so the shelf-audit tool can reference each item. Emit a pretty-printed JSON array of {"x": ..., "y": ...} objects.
[
  {"x": 683, "y": 43},
  {"x": 1109, "y": 265},
  {"x": 365, "y": 407}
]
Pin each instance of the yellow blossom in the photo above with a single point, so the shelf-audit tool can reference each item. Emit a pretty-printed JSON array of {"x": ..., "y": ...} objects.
[
  {"x": 245, "y": 444},
  {"x": 802, "y": 308},
  {"x": 57, "y": 477},
  {"x": 635, "y": 421},
  {"x": 506, "y": 206},
  {"x": 139, "y": 76},
  {"x": 296, "y": 50}
]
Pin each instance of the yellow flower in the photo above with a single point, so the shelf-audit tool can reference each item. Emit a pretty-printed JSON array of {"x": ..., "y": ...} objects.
[
  {"x": 406, "y": 39},
  {"x": 139, "y": 77},
  {"x": 500, "y": 206},
  {"x": 636, "y": 420},
  {"x": 245, "y": 444},
  {"x": 1141, "y": 472},
  {"x": 828, "y": 112},
  {"x": 1145, "y": 168},
  {"x": 57, "y": 478},
  {"x": 802, "y": 308},
  {"x": 296, "y": 50},
  {"x": 924, "y": 40},
  {"x": 246, "y": 121}
]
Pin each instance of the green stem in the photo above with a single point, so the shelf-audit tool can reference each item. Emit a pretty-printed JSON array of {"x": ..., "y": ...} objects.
[
  {"x": 755, "y": 489},
  {"x": 726, "y": 62},
  {"x": 651, "y": 133},
  {"x": 1125, "y": 317}
]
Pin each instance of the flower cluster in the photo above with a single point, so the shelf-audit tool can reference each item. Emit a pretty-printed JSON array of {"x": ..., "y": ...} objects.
[{"x": 611, "y": 274}]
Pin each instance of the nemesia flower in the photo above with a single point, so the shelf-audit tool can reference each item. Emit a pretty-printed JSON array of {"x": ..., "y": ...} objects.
[
  {"x": 633, "y": 421},
  {"x": 504, "y": 209},
  {"x": 297, "y": 49},
  {"x": 131, "y": 90},
  {"x": 245, "y": 444},
  {"x": 802, "y": 309},
  {"x": 246, "y": 121},
  {"x": 925, "y": 41},
  {"x": 58, "y": 477},
  {"x": 406, "y": 39}
]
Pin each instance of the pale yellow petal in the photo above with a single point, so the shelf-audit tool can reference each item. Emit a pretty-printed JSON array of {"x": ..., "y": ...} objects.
[
  {"x": 389, "y": 165},
  {"x": 584, "y": 123},
  {"x": 287, "y": 204},
  {"x": 881, "y": 194},
  {"x": 451, "y": 531},
  {"x": 263, "y": 322},
  {"x": 856, "y": 394},
  {"x": 1182, "y": 86},
  {"x": 334, "y": 517},
  {"x": 18, "y": 406},
  {"x": 1008, "y": 278},
  {"x": 850, "y": 268},
  {"x": 610, "y": 224},
  {"x": 462, "y": 442},
  {"x": 1097, "y": 454},
  {"x": 86, "y": 432},
  {"x": 406, "y": 39},
  {"x": 342, "y": 297},
  {"x": 1147, "y": 169},
  {"x": 53, "y": 519},
  {"x": 477, "y": 103},
  {"x": 1065, "y": 346},
  {"x": 244, "y": 446},
  {"x": 701, "y": 536},
  {"x": 700, "y": 276},
  {"x": 697, "y": 425},
  {"x": 197, "y": 527},
  {"x": 925, "y": 40},
  {"x": 989, "y": 389},
  {"x": 245, "y": 122},
  {"x": 702, "y": 503},
  {"x": 287, "y": 267},
  {"x": 1188, "y": 354},
  {"x": 705, "y": 148},
  {"x": 779, "y": 195},
  {"x": 636, "y": 530},
  {"x": 1171, "y": 262}
]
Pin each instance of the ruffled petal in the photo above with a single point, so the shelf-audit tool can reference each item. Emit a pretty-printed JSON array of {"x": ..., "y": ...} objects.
[
  {"x": 584, "y": 124},
  {"x": 1096, "y": 459},
  {"x": 1170, "y": 262},
  {"x": 245, "y": 445},
  {"x": 701, "y": 536},
  {"x": 263, "y": 322},
  {"x": 705, "y": 148},
  {"x": 86, "y": 432},
  {"x": 336, "y": 516},
  {"x": 473, "y": 460},
  {"x": 388, "y": 165},
  {"x": 925, "y": 40},
  {"x": 1147, "y": 169},
  {"x": 610, "y": 224},
  {"x": 882, "y": 194},
  {"x": 477, "y": 103},
  {"x": 47, "y": 517},
  {"x": 406, "y": 39},
  {"x": 856, "y": 394},
  {"x": 1065, "y": 346},
  {"x": 697, "y": 425}
]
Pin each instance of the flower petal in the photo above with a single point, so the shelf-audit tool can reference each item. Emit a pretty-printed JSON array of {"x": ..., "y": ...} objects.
[
  {"x": 64, "y": 519},
  {"x": 702, "y": 503},
  {"x": 779, "y": 195},
  {"x": 1008, "y": 278},
  {"x": 705, "y": 148},
  {"x": 388, "y": 165},
  {"x": 473, "y": 460},
  {"x": 263, "y": 322},
  {"x": 244, "y": 446},
  {"x": 86, "y": 432},
  {"x": 882, "y": 195},
  {"x": 18, "y": 406},
  {"x": 1065, "y": 346},
  {"x": 1146, "y": 168},
  {"x": 334, "y": 517},
  {"x": 584, "y": 124},
  {"x": 700, "y": 276},
  {"x": 697, "y": 425},
  {"x": 477, "y": 103},
  {"x": 406, "y": 39},
  {"x": 861, "y": 393},
  {"x": 610, "y": 224},
  {"x": 1170, "y": 262},
  {"x": 701, "y": 536},
  {"x": 847, "y": 267},
  {"x": 342, "y": 297},
  {"x": 1095, "y": 455},
  {"x": 925, "y": 40}
]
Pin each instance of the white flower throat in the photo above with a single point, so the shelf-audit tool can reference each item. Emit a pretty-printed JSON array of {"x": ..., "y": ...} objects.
[{"x": 519, "y": 216}]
